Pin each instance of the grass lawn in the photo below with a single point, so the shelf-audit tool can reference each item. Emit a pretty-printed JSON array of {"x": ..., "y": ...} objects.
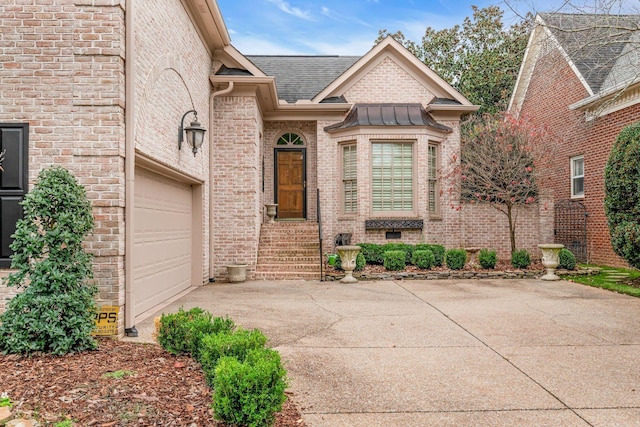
[{"x": 619, "y": 280}]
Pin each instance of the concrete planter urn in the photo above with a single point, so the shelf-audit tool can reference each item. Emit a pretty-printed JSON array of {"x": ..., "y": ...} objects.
[
  {"x": 550, "y": 259},
  {"x": 272, "y": 209},
  {"x": 348, "y": 256},
  {"x": 237, "y": 272}
]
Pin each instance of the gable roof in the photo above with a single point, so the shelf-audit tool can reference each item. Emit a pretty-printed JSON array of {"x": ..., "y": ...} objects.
[
  {"x": 302, "y": 77},
  {"x": 602, "y": 50},
  {"x": 594, "y": 43}
]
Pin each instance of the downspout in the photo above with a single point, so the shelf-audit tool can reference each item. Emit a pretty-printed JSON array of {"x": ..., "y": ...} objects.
[
  {"x": 212, "y": 97},
  {"x": 129, "y": 169}
]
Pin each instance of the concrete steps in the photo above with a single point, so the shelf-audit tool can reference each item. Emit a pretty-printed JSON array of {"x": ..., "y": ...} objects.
[{"x": 288, "y": 251}]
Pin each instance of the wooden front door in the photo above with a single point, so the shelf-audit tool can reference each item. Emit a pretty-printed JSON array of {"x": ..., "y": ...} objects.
[{"x": 290, "y": 183}]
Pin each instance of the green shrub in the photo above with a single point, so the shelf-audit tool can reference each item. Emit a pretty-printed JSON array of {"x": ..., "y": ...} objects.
[
  {"x": 423, "y": 259},
  {"x": 438, "y": 252},
  {"x": 407, "y": 249},
  {"x": 395, "y": 260},
  {"x": 236, "y": 344},
  {"x": 622, "y": 194},
  {"x": 55, "y": 312},
  {"x": 520, "y": 259},
  {"x": 567, "y": 259},
  {"x": 373, "y": 253},
  {"x": 249, "y": 392},
  {"x": 487, "y": 258},
  {"x": 455, "y": 258},
  {"x": 182, "y": 332}
]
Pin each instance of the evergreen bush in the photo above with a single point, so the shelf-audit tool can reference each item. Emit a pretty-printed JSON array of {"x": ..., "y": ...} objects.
[
  {"x": 487, "y": 259},
  {"x": 236, "y": 344},
  {"x": 55, "y": 312},
  {"x": 373, "y": 253},
  {"x": 455, "y": 258},
  {"x": 249, "y": 392},
  {"x": 360, "y": 262},
  {"x": 520, "y": 259},
  {"x": 423, "y": 259},
  {"x": 182, "y": 332},
  {"x": 395, "y": 260},
  {"x": 567, "y": 259},
  {"x": 622, "y": 194}
]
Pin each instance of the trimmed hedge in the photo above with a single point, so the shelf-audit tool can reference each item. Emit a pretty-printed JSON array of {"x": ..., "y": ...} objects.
[
  {"x": 395, "y": 260},
  {"x": 567, "y": 259},
  {"x": 487, "y": 259},
  {"x": 423, "y": 259},
  {"x": 520, "y": 259},
  {"x": 455, "y": 258}
]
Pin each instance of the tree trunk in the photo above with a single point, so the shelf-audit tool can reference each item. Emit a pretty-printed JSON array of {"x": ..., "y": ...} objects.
[{"x": 512, "y": 228}]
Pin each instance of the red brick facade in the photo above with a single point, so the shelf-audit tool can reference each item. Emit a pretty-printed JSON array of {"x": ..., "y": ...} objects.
[{"x": 554, "y": 86}]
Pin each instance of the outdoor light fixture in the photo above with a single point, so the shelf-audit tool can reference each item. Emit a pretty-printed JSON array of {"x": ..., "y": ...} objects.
[{"x": 195, "y": 132}]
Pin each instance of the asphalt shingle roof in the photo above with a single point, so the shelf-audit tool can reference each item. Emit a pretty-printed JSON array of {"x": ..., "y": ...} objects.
[
  {"x": 597, "y": 44},
  {"x": 302, "y": 77}
]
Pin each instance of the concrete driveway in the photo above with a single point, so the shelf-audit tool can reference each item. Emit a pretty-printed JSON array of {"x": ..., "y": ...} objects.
[{"x": 445, "y": 353}]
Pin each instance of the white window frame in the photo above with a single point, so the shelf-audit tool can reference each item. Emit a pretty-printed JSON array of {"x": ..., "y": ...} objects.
[
  {"x": 575, "y": 176},
  {"x": 349, "y": 179},
  {"x": 411, "y": 210},
  {"x": 433, "y": 180}
]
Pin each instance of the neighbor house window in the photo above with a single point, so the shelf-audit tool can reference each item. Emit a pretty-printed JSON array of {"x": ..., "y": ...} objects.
[
  {"x": 349, "y": 179},
  {"x": 392, "y": 176},
  {"x": 577, "y": 176},
  {"x": 434, "y": 183}
]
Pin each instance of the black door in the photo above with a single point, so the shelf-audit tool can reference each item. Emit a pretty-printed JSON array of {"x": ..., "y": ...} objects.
[{"x": 14, "y": 181}]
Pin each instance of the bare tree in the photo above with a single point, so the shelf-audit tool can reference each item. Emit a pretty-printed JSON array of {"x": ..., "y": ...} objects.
[{"x": 502, "y": 163}]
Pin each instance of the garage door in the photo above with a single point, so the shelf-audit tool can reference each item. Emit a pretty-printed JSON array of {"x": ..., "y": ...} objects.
[{"x": 163, "y": 218}]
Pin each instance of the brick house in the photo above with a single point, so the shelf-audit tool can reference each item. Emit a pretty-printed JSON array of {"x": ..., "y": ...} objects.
[
  {"x": 579, "y": 78},
  {"x": 102, "y": 86}
]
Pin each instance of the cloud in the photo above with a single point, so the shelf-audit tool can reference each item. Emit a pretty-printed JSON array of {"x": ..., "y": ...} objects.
[
  {"x": 295, "y": 11},
  {"x": 259, "y": 45}
]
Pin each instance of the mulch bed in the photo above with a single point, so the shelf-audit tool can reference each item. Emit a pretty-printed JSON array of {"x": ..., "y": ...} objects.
[{"x": 159, "y": 389}]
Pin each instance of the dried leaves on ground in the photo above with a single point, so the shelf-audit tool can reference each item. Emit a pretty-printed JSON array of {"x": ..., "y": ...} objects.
[{"x": 119, "y": 384}]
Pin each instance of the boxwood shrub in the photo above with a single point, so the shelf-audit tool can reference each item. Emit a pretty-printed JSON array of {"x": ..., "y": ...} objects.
[
  {"x": 423, "y": 259},
  {"x": 487, "y": 259},
  {"x": 520, "y": 259},
  {"x": 567, "y": 259},
  {"x": 236, "y": 344},
  {"x": 249, "y": 392},
  {"x": 455, "y": 258},
  {"x": 395, "y": 260},
  {"x": 438, "y": 252}
]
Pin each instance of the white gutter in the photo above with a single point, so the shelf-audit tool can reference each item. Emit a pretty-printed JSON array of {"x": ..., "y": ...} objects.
[
  {"x": 129, "y": 168},
  {"x": 212, "y": 97}
]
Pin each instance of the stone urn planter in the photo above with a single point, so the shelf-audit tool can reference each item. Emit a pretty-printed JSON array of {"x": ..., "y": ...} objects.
[
  {"x": 348, "y": 256},
  {"x": 237, "y": 272},
  {"x": 272, "y": 210},
  {"x": 550, "y": 259}
]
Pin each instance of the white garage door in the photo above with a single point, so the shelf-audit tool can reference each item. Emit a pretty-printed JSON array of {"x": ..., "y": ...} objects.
[{"x": 163, "y": 218}]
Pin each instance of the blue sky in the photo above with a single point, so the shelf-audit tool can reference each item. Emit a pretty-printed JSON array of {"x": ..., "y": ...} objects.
[{"x": 349, "y": 27}]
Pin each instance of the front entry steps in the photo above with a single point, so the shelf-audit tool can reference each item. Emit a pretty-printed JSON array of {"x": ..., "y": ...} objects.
[{"x": 288, "y": 250}]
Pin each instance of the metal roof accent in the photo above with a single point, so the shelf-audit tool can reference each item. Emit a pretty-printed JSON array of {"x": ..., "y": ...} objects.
[
  {"x": 388, "y": 115},
  {"x": 302, "y": 77}
]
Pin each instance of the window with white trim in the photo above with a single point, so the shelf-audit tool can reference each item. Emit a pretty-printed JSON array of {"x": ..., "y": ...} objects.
[
  {"x": 577, "y": 176},
  {"x": 434, "y": 180},
  {"x": 392, "y": 177},
  {"x": 349, "y": 178}
]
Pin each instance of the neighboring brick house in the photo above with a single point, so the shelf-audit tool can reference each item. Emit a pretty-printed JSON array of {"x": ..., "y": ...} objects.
[
  {"x": 100, "y": 87},
  {"x": 579, "y": 77}
]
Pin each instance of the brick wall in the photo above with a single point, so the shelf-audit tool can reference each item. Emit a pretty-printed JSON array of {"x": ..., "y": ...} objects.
[
  {"x": 553, "y": 87},
  {"x": 62, "y": 71},
  {"x": 237, "y": 202}
]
